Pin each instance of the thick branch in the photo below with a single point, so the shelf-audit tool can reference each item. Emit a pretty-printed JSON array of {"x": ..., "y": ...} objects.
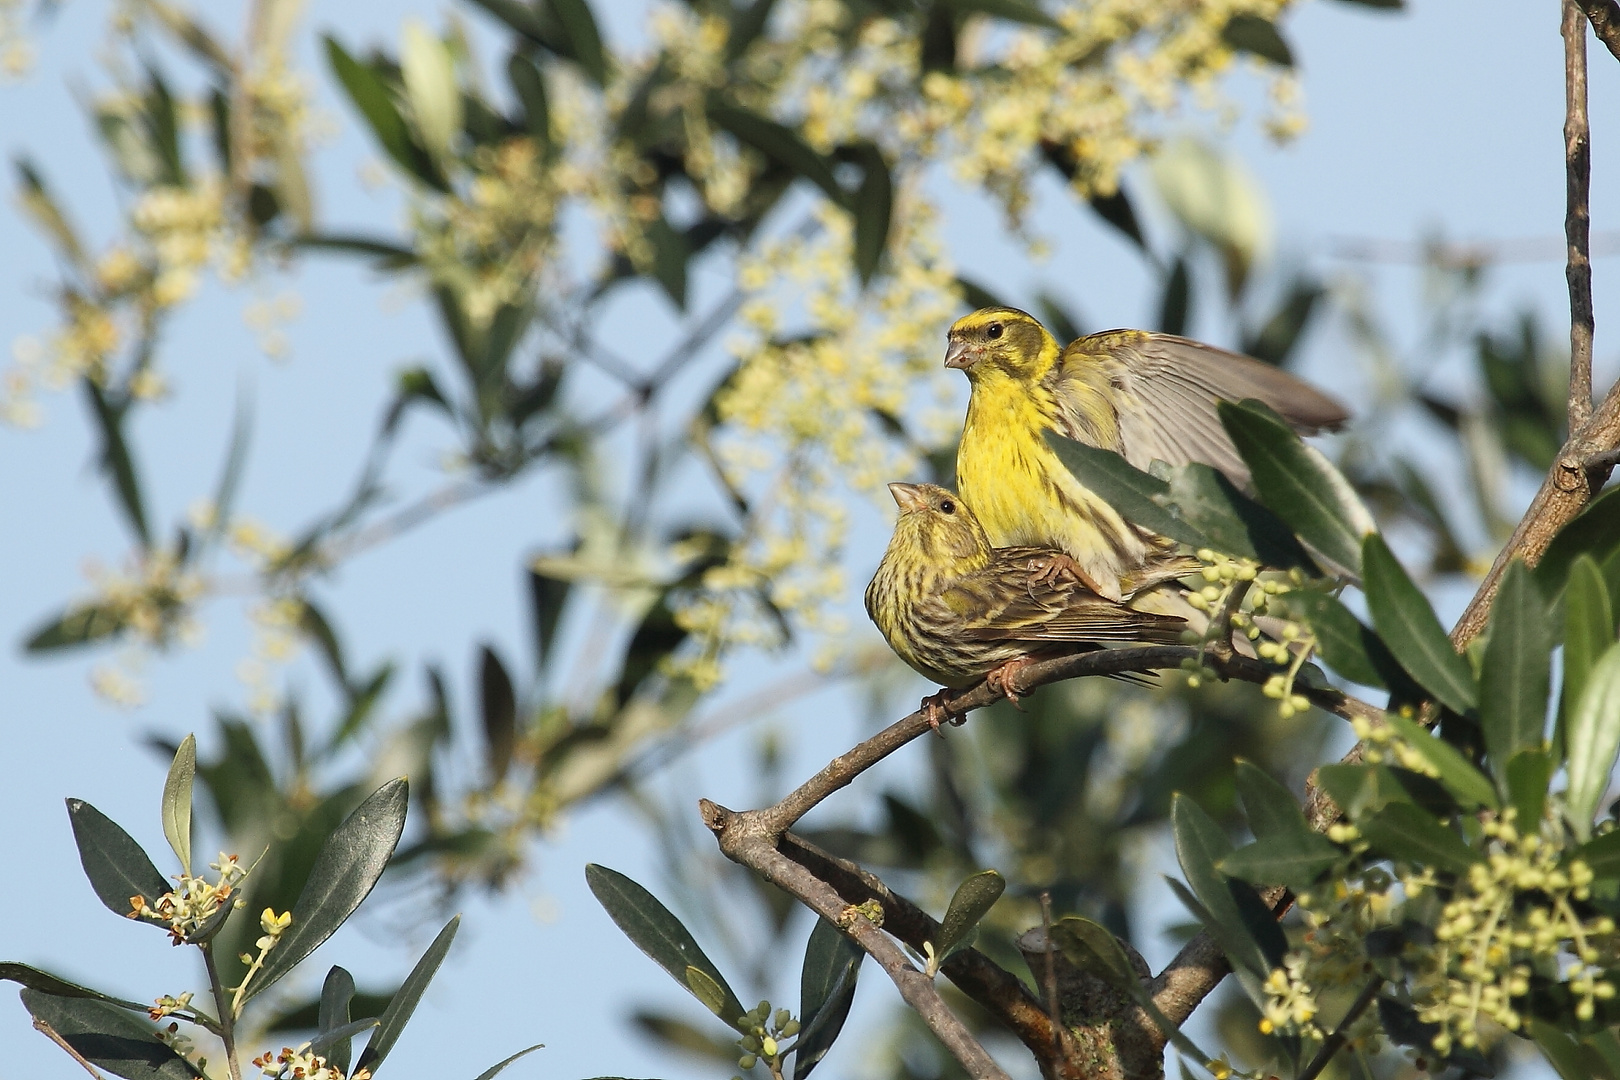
[
  {"x": 744, "y": 839},
  {"x": 1605, "y": 18},
  {"x": 843, "y": 769},
  {"x": 1577, "y": 215}
]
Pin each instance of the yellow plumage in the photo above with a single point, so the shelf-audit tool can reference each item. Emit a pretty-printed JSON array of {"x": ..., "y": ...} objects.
[{"x": 1146, "y": 396}]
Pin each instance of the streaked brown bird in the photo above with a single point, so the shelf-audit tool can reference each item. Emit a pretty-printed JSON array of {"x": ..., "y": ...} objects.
[
  {"x": 1145, "y": 396},
  {"x": 958, "y": 610}
]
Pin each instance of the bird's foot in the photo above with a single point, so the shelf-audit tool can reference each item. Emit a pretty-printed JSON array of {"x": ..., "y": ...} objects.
[
  {"x": 933, "y": 707},
  {"x": 1058, "y": 566},
  {"x": 1000, "y": 679}
]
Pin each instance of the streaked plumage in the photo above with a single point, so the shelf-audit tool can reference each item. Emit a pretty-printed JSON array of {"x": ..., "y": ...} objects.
[
  {"x": 957, "y": 610},
  {"x": 1146, "y": 396}
]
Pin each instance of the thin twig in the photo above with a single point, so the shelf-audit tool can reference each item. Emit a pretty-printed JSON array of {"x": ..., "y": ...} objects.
[
  {"x": 227, "y": 1016},
  {"x": 1577, "y": 215},
  {"x": 50, "y": 1033},
  {"x": 1582, "y": 466},
  {"x": 1463, "y": 255},
  {"x": 744, "y": 839},
  {"x": 1060, "y": 1040},
  {"x": 1335, "y": 1042},
  {"x": 1605, "y": 18}
]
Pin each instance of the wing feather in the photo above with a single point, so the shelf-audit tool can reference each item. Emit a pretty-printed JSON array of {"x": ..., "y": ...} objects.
[{"x": 1175, "y": 384}]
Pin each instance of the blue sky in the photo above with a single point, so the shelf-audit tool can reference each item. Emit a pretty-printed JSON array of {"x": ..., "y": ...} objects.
[{"x": 1445, "y": 119}]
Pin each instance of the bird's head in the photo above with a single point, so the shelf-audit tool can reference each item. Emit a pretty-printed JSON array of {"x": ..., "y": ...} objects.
[
  {"x": 1003, "y": 339},
  {"x": 937, "y": 527}
]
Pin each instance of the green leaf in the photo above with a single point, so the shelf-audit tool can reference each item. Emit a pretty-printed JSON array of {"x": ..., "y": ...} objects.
[
  {"x": 748, "y": 21},
  {"x": 1408, "y": 625},
  {"x": 326, "y": 1042},
  {"x": 1176, "y": 298},
  {"x": 1250, "y": 33},
  {"x": 38, "y": 203},
  {"x": 108, "y": 1037},
  {"x": 1592, "y": 740},
  {"x": 337, "y": 995},
  {"x": 530, "y": 87},
  {"x": 46, "y": 983},
  {"x": 1271, "y": 808},
  {"x": 546, "y": 598},
  {"x": 177, "y": 801},
  {"x": 115, "y": 864},
  {"x": 80, "y": 626},
  {"x": 406, "y": 998},
  {"x": 1347, "y": 645},
  {"x": 163, "y": 129},
  {"x": 1406, "y": 832},
  {"x": 1595, "y": 531},
  {"x": 1200, "y": 844},
  {"x": 1568, "y": 1057},
  {"x": 1298, "y": 484},
  {"x": 1092, "y": 948},
  {"x": 1602, "y": 854},
  {"x": 1294, "y": 859},
  {"x": 970, "y": 903},
  {"x": 429, "y": 74},
  {"x": 780, "y": 144},
  {"x": 657, "y": 932},
  {"x": 1275, "y": 342},
  {"x": 1116, "y": 209},
  {"x": 1470, "y": 786},
  {"x": 343, "y": 874},
  {"x": 116, "y": 460},
  {"x": 499, "y": 713},
  {"x": 389, "y": 256},
  {"x": 1235, "y": 523},
  {"x": 873, "y": 206},
  {"x": 1231, "y": 934},
  {"x": 371, "y": 96},
  {"x": 670, "y": 254},
  {"x": 1526, "y": 778},
  {"x": 495, "y": 1069},
  {"x": 832, "y": 962},
  {"x": 1359, "y": 790},
  {"x": 1022, "y": 11},
  {"x": 1588, "y": 629},
  {"x": 584, "y": 39},
  {"x": 1513, "y": 680},
  {"x": 1129, "y": 490}
]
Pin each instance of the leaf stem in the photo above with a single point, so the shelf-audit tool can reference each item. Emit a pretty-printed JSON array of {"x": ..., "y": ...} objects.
[{"x": 227, "y": 1014}]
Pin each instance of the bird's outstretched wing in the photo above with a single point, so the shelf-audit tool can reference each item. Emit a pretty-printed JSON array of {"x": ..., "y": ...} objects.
[{"x": 1163, "y": 391}]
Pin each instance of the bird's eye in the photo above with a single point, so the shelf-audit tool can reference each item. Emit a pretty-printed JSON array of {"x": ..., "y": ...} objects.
[
  {"x": 947, "y": 507},
  {"x": 993, "y": 331}
]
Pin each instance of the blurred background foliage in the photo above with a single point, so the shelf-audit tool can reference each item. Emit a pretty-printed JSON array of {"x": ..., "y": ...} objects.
[{"x": 798, "y": 148}]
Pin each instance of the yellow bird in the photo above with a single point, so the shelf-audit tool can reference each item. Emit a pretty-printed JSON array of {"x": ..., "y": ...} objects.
[
  {"x": 958, "y": 611},
  {"x": 1145, "y": 396}
]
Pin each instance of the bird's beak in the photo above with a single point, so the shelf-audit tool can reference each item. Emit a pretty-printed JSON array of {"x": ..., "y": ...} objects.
[
  {"x": 908, "y": 497},
  {"x": 959, "y": 354}
]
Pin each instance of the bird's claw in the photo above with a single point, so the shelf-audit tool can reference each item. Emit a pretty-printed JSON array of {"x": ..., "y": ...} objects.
[
  {"x": 1049, "y": 569},
  {"x": 1001, "y": 678},
  {"x": 933, "y": 708}
]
